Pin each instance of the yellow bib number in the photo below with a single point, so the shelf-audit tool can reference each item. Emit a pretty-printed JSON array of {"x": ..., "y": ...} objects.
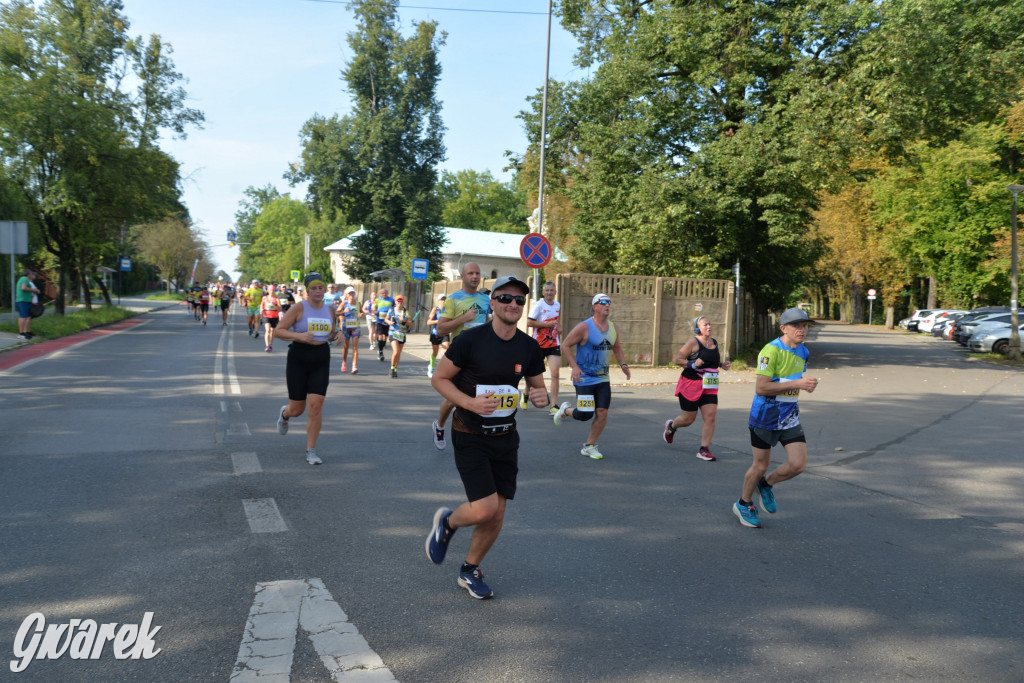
[
  {"x": 585, "y": 403},
  {"x": 508, "y": 398}
]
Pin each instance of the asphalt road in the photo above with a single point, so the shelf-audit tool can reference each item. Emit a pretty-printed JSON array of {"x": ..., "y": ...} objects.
[{"x": 896, "y": 556}]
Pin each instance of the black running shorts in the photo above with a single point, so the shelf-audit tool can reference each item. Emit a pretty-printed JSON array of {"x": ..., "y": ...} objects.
[
  {"x": 308, "y": 370},
  {"x": 487, "y": 464}
]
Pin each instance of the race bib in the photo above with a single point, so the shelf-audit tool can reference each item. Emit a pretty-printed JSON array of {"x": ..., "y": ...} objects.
[
  {"x": 320, "y": 327},
  {"x": 507, "y": 395},
  {"x": 398, "y": 336},
  {"x": 710, "y": 381},
  {"x": 351, "y": 323},
  {"x": 788, "y": 397},
  {"x": 585, "y": 403}
]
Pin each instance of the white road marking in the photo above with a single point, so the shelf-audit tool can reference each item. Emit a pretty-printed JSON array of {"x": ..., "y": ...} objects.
[
  {"x": 245, "y": 463},
  {"x": 232, "y": 372},
  {"x": 263, "y": 516},
  {"x": 225, "y": 359},
  {"x": 230, "y": 407},
  {"x": 279, "y": 609},
  {"x": 239, "y": 429}
]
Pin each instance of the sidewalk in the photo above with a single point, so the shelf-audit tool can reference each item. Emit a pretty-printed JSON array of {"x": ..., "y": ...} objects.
[{"x": 138, "y": 303}]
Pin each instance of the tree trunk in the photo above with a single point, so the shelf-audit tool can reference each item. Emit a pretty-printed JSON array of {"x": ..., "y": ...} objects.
[
  {"x": 856, "y": 305},
  {"x": 933, "y": 292},
  {"x": 890, "y": 317}
]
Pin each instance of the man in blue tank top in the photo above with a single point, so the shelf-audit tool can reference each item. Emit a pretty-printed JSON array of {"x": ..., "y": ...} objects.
[{"x": 596, "y": 341}]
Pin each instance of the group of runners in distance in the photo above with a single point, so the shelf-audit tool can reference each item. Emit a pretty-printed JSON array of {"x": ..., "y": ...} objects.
[{"x": 478, "y": 359}]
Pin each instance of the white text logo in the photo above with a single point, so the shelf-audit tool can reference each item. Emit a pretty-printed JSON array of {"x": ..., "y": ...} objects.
[{"x": 81, "y": 639}]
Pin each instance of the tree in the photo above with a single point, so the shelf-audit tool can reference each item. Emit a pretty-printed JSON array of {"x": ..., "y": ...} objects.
[
  {"x": 477, "y": 201},
  {"x": 77, "y": 142},
  {"x": 376, "y": 167},
  {"x": 172, "y": 245}
]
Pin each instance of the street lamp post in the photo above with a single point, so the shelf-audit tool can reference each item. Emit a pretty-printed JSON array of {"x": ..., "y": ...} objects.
[{"x": 1014, "y": 317}]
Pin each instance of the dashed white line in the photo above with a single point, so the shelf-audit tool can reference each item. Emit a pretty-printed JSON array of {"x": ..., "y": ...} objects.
[
  {"x": 263, "y": 516},
  {"x": 239, "y": 429},
  {"x": 245, "y": 463},
  {"x": 278, "y": 611}
]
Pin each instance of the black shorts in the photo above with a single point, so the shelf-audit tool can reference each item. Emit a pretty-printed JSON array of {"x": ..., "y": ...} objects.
[
  {"x": 381, "y": 329},
  {"x": 225, "y": 303},
  {"x": 688, "y": 406},
  {"x": 204, "y": 307},
  {"x": 437, "y": 341},
  {"x": 308, "y": 370},
  {"x": 552, "y": 351},
  {"x": 487, "y": 464},
  {"x": 765, "y": 439},
  {"x": 602, "y": 393},
  {"x": 270, "y": 321}
]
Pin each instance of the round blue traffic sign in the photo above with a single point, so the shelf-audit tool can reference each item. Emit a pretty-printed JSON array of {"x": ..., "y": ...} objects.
[{"x": 535, "y": 250}]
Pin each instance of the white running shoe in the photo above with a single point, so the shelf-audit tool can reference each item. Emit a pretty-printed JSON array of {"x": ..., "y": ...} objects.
[
  {"x": 560, "y": 414},
  {"x": 312, "y": 458},
  {"x": 590, "y": 450},
  {"x": 282, "y": 421},
  {"x": 439, "y": 442}
]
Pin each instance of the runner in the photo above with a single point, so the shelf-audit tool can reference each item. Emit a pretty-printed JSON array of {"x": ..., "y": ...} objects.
[
  {"x": 253, "y": 296},
  {"x": 463, "y": 310},
  {"x": 270, "y": 313},
  {"x": 595, "y": 340},
  {"x": 203, "y": 297},
  {"x": 227, "y": 293},
  {"x": 371, "y": 322},
  {"x": 399, "y": 325},
  {"x": 697, "y": 388},
  {"x": 479, "y": 374},
  {"x": 381, "y": 305},
  {"x": 309, "y": 326},
  {"x": 436, "y": 342},
  {"x": 775, "y": 415},
  {"x": 348, "y": 320},
  {"x": 544, "y": 319}
]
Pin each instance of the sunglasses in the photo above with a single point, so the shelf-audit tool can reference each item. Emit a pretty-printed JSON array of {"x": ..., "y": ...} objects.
[
  {"x": 604, "y": 302},
  {"x": 509, "y": 298}
]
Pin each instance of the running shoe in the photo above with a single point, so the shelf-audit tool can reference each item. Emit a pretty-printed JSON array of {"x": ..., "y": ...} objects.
[
  {"x": 473, "y": 581},
  {"x": 553, "y": 410},
  {"x": 438, "y": 437},
  {"x": 437, "y": 541},
  {"x": 704, "y": 454},
  {"x": 560, "y": 414},
  {"x": 590, "y": 450},
  {"x": 282, "y": 421},
  {"x": 747, "y": 515},
  {"x": 380, "y": 356},
  {"x": 430, "y": 372},
  {"x": 344, "y": 366},
  {"x": 767, "y": 498},
  {"x": 394, "y": 372},
  {"x": 312, "y": 458},
  {"x": 523, "y": 403},
  {"x": 268, "y": 349},
  {"x": 354, "y": 369},
  {"x": 250, "y": 331},
  {"x": 669, "y": 432},
  {"x": 23, "y": 336}
]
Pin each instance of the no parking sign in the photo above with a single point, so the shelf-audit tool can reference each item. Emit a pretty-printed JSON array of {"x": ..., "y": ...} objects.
[{"x": 535, "y": 250}]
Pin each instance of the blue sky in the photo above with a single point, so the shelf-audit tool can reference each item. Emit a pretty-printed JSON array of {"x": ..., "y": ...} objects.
[{"x": 259, "y": 69}]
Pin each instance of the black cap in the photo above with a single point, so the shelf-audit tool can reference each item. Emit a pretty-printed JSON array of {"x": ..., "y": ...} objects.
[{"x": 509, "y": 280}]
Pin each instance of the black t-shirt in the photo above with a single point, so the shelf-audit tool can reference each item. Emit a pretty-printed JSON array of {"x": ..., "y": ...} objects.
[{"x": 488, "y": 363}]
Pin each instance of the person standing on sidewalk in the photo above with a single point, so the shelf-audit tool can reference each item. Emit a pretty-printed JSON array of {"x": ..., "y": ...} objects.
[
  {"x": 463, "y": 310},
  {"x": 480, "y": 374},
  {"x": 26, "y": 294},
  {"x": 697, "y": 388},
  {"x": 309, "y": 326},
  {"x": 544, "y": 319},
  {"x": 596, "y": 340},
  {"x": 775, "y": 415}
]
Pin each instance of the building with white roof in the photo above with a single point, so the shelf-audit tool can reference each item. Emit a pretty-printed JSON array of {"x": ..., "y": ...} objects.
[{"x": 496, "y": 252}]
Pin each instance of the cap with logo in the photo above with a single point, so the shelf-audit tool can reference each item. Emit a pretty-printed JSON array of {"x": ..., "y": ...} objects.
[
  {"x": 794, "y": 315},
  {"x": 509, "y": 280},
  {"x": 598, "y": 298}
]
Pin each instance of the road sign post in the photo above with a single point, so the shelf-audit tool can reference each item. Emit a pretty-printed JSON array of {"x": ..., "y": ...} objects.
[{"x": 871, "y": 304}]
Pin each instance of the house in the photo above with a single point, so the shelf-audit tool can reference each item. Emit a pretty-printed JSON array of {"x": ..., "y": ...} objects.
[{"x": 497, "y": 253}]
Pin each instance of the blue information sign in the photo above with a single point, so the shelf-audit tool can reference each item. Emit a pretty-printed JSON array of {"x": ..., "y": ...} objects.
[{"x": 420, "y": 268}]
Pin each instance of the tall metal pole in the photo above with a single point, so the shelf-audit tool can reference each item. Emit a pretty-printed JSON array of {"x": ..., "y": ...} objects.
[
  {"x": 543, "y": 149},
  {"x": 1014, "y": 317}
]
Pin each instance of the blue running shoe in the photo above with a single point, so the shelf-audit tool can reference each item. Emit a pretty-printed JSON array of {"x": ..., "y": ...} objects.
[
  {"x": 437, "y": 541},
  {"x": 747, "y": 514},
  {"x": 767, "y": 498},
  {"x": 473, "y": 581}
]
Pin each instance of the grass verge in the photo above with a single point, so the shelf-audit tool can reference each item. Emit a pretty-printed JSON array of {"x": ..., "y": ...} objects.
[{"x": 52, "y": 326}]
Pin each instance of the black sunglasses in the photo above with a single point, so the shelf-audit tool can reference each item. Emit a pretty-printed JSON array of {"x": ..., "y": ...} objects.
[{"x": 509, "y": 298}]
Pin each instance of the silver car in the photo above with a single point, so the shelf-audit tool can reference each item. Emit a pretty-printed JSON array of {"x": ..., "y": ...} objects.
[{"x": 994, "y": 340}]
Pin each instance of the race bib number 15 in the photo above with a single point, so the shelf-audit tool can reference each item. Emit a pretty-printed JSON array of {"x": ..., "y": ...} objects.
[{"x": 508, "y": 398}]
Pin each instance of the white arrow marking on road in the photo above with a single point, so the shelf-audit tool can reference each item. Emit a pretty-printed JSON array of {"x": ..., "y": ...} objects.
[
  {"x": 263, "y": 516},
  {"x": 279, "y": 609}
]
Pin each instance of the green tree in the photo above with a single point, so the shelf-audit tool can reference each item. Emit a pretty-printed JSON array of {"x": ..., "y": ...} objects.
[
  {"x": 77, "y": 142},
  {"x": 475, "y": 200},
  {"x": 172, "y": 245},
  {"x": 377, "y": 166}
]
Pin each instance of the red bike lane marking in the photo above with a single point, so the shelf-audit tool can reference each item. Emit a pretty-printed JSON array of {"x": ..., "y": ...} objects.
[{"x": 30, "y": 352}]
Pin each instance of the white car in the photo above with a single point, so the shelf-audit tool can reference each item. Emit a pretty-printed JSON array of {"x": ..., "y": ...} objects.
[
  {"x": 926, "y": 323},
  {"x": 994, "y": 339}
]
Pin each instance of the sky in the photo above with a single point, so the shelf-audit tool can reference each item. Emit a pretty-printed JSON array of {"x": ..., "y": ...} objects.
[{"x": 259, "y": 69}]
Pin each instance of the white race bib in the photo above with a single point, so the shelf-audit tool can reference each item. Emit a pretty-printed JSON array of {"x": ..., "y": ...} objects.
[
  {"x": 507, "y": 395},
  {"x": 320, "y": 327},
  {"x": 710, "y": 380},
  {"x": 585, "y": 403}
]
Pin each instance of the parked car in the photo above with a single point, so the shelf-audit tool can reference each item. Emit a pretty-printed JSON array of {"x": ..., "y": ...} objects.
[
  {"x": 926, "y": 323},
  {"x": 984, "y": 322},
  {"x": 903, "y": 323},
  {"x": 974, "y": 315},
  {"x": 914, "y": 320},
  {"x": 994, "y": 340}
]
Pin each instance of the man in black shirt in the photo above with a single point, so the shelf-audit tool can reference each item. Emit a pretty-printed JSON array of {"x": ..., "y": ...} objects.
[{"x": 480, "y": 374}]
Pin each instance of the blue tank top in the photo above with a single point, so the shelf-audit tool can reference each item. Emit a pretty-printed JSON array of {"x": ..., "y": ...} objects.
[{"x": 593, "y": 353}]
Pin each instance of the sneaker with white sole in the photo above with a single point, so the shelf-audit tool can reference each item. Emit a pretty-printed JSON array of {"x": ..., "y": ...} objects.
[
  {"x": 553, "y": 410},
  {"x": 437, "y": 541},
  {"x": 560, "y": 414},
  {"x": 473, "y": 581},
  {"x": 747, "y": 515},
  {"x": 590, "y": 450},
  {"x": 669, "y": 432},
  {"x": 439, "y": 442},
  {"x": 312, "y": 458},
  {"x": 344, "y": 366},
  {"x": 704, "y": 453},
  {"x": 282, "y": 421}
]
